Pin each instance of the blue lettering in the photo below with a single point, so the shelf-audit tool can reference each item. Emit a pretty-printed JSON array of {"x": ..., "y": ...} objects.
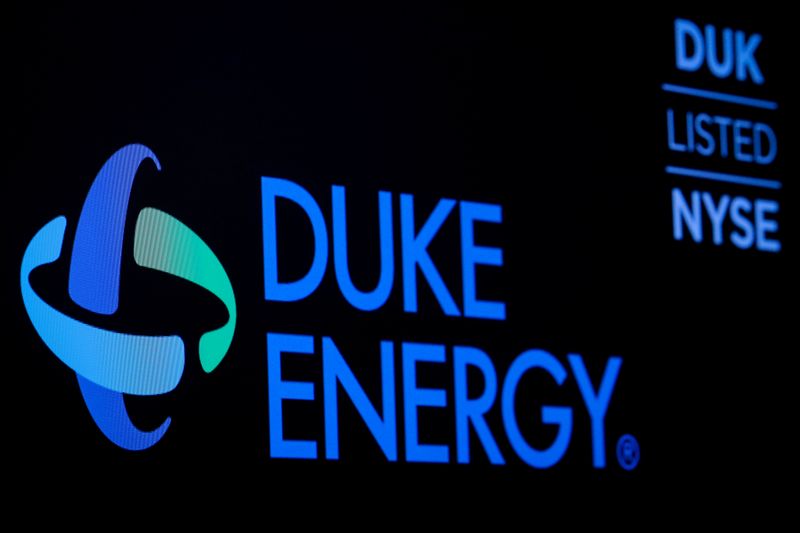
[
  {"x": 274, "y": 290},
  {"x": 744, "y": 238},
  {"x": 765, "y": 225},
  {"x": 674, "y": 145},
  {"x": 687, "y": 29},
  {"x": 737, "y": 48},
  {"x": 335, "y": 370},
  {"x": 683, "y": 214},
  {"x": 740, "y": 140},
  {"x": 560, "y": 416},
  {"x": 472, "y": 411},
  {"x": 415, "y": 397},
  {"x": 280, "y": 390},
  {"x": 723, "y": 123},
  {"x": 723, "y": 68},
  {"x": 366, "y": 301},
  {"x": 762, "y": 158},
  {"x": 702, "y": 131},
  {"x": 596, "y": 402},
  {"x": 700, "y": 122},
  {"x": 716, "y": 213},
  {"x": 415, "y": 253},
  {"x": 745, "y": 57},
  {"x": 472, "y": 255}
]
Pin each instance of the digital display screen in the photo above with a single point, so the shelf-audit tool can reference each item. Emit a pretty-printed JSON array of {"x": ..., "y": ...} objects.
[{"x": 477, "y": 250}]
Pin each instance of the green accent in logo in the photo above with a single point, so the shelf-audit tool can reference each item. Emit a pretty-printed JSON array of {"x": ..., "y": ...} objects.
[{"x": 164, "y": 243}]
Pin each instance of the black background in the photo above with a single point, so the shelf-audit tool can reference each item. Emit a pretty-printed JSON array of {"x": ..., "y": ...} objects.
[{"x": 560, "y": 119}]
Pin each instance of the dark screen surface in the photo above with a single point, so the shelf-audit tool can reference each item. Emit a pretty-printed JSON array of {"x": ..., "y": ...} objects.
[{"x": 560, "y": 119}]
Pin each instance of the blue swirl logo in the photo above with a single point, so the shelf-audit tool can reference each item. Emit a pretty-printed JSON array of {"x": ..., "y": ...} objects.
[{"x": 110, "y": 364}]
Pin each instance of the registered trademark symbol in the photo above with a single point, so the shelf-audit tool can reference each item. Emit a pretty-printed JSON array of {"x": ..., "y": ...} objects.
[{"x": 628, "y": 452}]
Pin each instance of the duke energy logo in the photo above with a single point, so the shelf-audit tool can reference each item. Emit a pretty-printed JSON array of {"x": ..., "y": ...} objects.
[{"x": 110, "y": 364}]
